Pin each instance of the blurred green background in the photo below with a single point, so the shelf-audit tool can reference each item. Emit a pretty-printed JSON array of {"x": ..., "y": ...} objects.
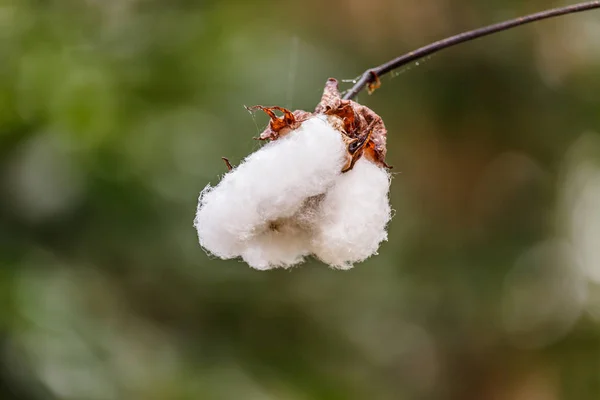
[{"x": 114, "y": 115}]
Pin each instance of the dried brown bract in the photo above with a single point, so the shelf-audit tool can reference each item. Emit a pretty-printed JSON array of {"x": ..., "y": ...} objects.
[{"x": 361, "y": 128}]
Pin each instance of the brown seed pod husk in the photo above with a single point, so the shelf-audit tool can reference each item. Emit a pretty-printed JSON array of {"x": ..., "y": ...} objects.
[{"x": 362, "y": 129}]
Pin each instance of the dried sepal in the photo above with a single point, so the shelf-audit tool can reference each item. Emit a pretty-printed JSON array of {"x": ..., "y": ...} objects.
[
  {"x": 331, "y": 97},
  {"x": 358, "y": 122},
  {"x": 227, "y": 163},
  {"x": 279, "y": 126},
  {"x": 361, "y": 128}
]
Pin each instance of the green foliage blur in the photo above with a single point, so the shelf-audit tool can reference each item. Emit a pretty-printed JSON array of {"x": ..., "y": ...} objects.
[{"x": 114, "y": 115}]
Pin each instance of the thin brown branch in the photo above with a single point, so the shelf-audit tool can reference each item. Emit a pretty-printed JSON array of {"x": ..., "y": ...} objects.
[{"x": 370, "y": 76}]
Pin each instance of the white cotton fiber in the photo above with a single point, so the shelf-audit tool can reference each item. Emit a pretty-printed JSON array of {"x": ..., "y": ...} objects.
[
  {"x": 354, "y": 215},
  {"x": 255, "y": 211},
  {"x": 281, "y": 246}
]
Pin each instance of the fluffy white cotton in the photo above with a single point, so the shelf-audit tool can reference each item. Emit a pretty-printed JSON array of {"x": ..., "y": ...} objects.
[
  {"x": 262, "y": 209},
  {"x": 289, "y": 200},
  {"x": 284, "y": 244},
  {"x": 354, "y": 215}
]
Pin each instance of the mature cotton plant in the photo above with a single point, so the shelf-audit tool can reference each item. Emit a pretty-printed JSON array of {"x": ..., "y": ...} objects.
[{"x": 320, "y": 186}]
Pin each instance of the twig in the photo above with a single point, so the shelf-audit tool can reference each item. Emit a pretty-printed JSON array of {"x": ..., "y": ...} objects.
[{"x": 371, "y": 76}]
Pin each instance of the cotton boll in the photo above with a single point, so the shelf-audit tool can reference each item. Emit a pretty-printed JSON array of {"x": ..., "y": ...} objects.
[
  {"x": 354, "y": 215},
  {"x": 272, "y": 184}
]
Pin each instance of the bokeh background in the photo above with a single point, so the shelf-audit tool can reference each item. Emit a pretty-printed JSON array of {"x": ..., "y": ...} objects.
[{"x": 114, "y": 115}]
